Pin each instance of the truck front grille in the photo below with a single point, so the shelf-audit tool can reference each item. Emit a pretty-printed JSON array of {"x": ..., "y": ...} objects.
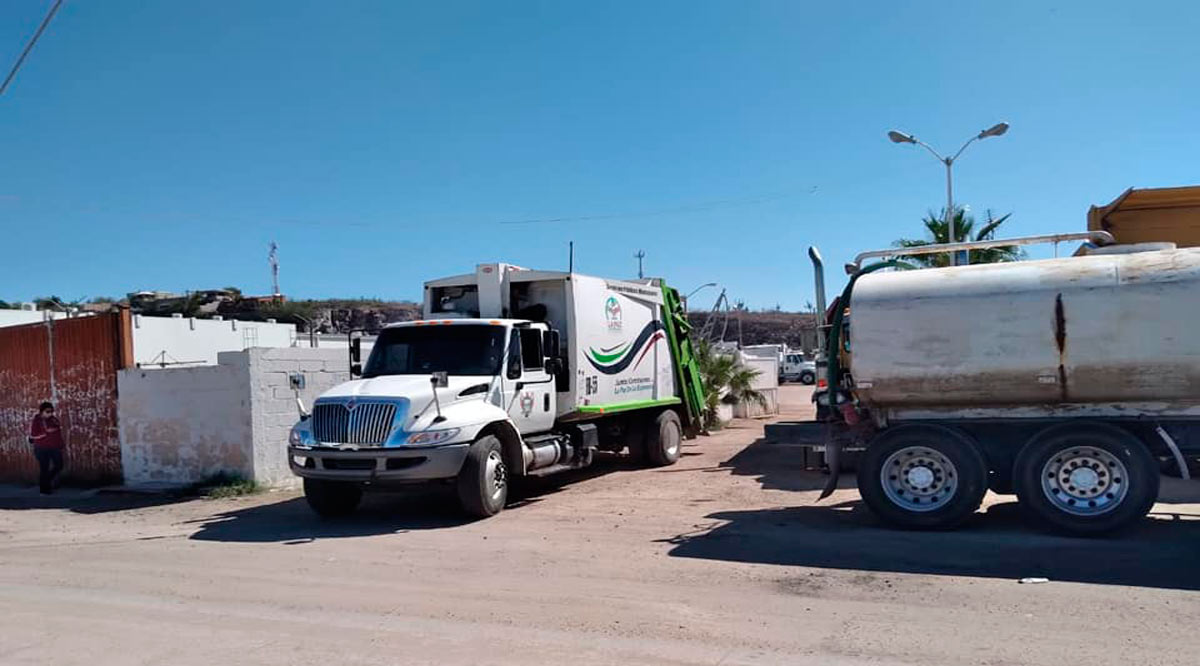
[{"x": 367, "y": 423}]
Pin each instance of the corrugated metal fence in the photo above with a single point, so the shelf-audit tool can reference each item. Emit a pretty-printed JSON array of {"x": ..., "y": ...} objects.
[{"x": 73, "y": 363}]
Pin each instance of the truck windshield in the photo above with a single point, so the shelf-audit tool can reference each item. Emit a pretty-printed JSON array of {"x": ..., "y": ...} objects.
[{"x": 421, "y": 350}]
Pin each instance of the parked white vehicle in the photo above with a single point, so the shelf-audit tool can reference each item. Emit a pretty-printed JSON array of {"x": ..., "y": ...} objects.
[
  {"x": 511, "y": 373},
  {"x": 796, "y": 369}
]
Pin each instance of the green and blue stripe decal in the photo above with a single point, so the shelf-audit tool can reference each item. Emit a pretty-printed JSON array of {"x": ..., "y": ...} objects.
[{"x": 616, "y": 359}]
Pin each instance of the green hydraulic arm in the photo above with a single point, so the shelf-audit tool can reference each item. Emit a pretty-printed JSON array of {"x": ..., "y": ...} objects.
[{"x": 683, "y": 356}]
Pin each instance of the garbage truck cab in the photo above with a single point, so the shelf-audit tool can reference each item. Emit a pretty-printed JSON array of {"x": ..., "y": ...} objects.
[{"x": 511, "y": 373}]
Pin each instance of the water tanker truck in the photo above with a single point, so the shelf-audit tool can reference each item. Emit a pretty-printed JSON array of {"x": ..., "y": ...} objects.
[
  {"x": 1069, "y": 381},
  {"x": 510, "y": 373}
]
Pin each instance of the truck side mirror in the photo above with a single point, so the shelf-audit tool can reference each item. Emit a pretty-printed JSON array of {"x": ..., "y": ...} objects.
[
  {"x": 514, "y": 357},
  {"x": 356, "y": 369},
  {"x": 356, "y": 350},
  {"x": 554, "y": 365},
  {"x": 550, "y": 343}
]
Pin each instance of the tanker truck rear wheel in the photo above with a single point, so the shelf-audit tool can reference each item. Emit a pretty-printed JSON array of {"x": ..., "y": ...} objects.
[
  {"x": 922, "y": 477},
  {"x": 1086, "y": 479}
]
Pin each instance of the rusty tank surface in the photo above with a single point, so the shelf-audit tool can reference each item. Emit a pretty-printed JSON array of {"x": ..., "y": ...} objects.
[{"x": 1113, "y": 327}]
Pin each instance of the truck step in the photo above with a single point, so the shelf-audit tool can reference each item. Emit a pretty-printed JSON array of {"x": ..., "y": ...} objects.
[{"x": 553, "y": 469}]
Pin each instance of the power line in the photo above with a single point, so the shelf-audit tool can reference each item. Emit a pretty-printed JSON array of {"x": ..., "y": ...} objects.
[{"x": 29, "y": 47}]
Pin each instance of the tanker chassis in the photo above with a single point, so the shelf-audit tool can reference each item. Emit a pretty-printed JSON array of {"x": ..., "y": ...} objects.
[{"x": 1069, "y": 381}]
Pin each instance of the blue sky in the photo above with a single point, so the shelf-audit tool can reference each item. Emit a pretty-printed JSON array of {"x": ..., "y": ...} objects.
[{"x": 163, "y": 145}]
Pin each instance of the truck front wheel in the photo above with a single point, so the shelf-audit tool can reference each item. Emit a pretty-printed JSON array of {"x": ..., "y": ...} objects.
[
  {"x": 483, "y": 480},
  {"x": 332, "y": 499},
  {"x": 922, "y": 477},
  {"x": 1086, "y": 479},
  {"x": 808, "y": 377},
  {"x": 664, "y": 439}
]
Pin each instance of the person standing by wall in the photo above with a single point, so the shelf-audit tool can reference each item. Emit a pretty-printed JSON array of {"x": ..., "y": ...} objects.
[{"x": 46, "y": 435}]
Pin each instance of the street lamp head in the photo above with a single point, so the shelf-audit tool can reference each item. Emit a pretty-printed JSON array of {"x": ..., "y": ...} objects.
[
  {"x": 901, "y": 137},
  {"x": 995, "y": 130}
]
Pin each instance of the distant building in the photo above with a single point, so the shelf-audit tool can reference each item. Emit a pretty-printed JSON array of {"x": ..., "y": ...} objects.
[{"x": 1152, "y": 214}]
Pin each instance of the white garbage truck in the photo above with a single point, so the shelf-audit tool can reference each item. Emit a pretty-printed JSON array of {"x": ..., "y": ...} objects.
[
  {"x": 510, "y": 373},
  {"x": 1072, "y": 381}
]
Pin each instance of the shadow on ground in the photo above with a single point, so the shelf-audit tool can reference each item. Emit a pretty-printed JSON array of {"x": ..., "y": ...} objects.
[
  {"x": 422, "y": 507},
  {"x": 84, "y": 501},
  {"x": 1159, "y": 552},
  {"x": 778, "y": 466}
]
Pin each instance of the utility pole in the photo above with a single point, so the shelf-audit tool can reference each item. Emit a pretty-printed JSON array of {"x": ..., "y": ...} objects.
[{"x": 641, "y": 254}]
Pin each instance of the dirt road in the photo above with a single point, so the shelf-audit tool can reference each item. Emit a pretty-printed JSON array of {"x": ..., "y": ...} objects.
[{"x": 722, "y": 559}]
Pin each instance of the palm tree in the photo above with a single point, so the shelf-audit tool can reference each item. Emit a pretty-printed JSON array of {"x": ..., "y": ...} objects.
[
  {"x": 725, "y": 380},
  {"x": 964, "y": 226}
]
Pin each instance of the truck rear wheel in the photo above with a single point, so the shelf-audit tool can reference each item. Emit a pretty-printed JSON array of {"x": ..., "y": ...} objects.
[
  {"x": 922, "y": 477},
  {"x": 664, "y": 439},
  {"x": 1086, "y": 479},
  {"x": 483, "y": 480},
  {"x": 332, "y": 499}
]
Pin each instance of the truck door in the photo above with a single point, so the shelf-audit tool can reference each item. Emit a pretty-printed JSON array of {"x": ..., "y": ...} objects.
[{"x": 528, "y": 387}]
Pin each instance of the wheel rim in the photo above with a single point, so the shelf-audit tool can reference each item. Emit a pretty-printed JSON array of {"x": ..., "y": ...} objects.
[
  {"x": 495, "y": 474},
  {"x": 671, "y": 440},
  {"x": 919, "y": 478},
  {"x": 1085, "y": 481}
]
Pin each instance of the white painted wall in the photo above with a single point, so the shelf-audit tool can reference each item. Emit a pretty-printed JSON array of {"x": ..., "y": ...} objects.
[
  {"x": 181, "y": 425},
  {"x": 766, "y": 383},
  {"x": 19, "y": 317},
  {"x": 189, "y": 341}
]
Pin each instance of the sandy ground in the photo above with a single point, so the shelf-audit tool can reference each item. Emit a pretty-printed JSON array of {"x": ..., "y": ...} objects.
[{"x": 724, "y": 558}]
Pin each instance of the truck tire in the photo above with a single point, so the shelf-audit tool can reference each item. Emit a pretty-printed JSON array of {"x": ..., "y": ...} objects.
[
  {"x": 1086, "y": 479},
  {"x": 483, "y": 479},
  {"x": 808, "y": 377},
  {"x": 332, "y": 499},
  {"x": 664, "y": 439},
  {"x": 923, "y": 477}
]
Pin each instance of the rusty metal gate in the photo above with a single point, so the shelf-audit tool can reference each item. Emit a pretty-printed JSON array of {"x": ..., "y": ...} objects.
[{"x": 73, "y": 363}]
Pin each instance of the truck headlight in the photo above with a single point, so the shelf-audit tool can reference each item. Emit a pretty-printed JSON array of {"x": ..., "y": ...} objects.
[
  {"x": 299, "y": 435},
  {"x": 433, "y": 436}
]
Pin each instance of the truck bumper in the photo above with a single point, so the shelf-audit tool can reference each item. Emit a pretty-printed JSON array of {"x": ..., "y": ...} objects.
[{"x": 379, "y": 464}]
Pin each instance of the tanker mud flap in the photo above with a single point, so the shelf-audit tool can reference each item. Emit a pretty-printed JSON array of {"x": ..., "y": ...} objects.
[
  {"x": 833, "y": 458},
  {"x": 1175, "y": 452}
]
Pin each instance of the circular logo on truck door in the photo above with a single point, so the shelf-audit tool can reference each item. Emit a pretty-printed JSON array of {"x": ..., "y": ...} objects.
[
  {"x": 612, "y": 313},
  {"x": 526, "y": 404}
]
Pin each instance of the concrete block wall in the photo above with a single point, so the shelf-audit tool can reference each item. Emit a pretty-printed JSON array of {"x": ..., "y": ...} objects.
[
  {"x": 181, "y": 425},
  {"x": 273, "y": 402}
]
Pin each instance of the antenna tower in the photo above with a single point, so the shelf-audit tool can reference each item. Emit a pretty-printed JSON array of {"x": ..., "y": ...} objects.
[{"x": 273, "y": 260}]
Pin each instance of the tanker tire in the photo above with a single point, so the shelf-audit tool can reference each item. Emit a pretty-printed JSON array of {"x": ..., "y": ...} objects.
[
  {"x": 958, "y": 461},
  {"x": 483, "y": 480},
  {"x": 1089, "y": 441},
  {"x": 664, "y": 439},
  {"x": 808, "y": 378},
  {"x": 332, "y": 499}
]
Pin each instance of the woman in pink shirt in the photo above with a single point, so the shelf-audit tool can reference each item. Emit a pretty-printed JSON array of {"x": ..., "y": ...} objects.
[{"x": 46, "y": 435}]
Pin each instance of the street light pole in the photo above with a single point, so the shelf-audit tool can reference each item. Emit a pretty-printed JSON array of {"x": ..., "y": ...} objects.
[
  {"x": 693, "y": 293},
  {"x": 900, "y": 137}
]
